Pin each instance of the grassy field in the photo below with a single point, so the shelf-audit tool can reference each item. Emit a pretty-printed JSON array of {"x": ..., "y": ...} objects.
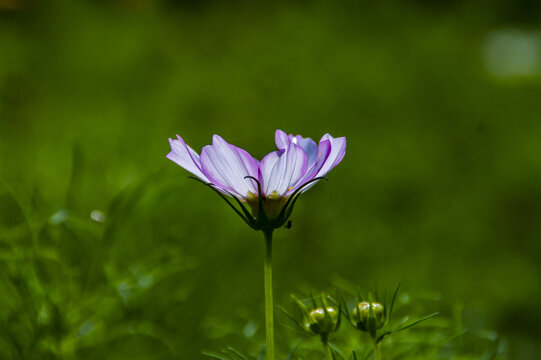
[{"x": 109, "y": 251}]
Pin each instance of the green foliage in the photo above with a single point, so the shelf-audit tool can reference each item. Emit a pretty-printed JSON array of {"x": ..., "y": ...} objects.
[
  {"x": 438, "y": 338},
  {"x": 108, "y": 251},
  {"x": 68, "y": 292}
]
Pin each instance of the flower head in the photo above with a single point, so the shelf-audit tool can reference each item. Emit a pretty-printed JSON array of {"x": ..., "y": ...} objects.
[
  {"x": 321, "y": 315},
  {"x": 368, "y": 316},
  {"x": 268, "y": 187},
  {"x": 322, "y": 320},
  {"x": 373, "y": 317}
]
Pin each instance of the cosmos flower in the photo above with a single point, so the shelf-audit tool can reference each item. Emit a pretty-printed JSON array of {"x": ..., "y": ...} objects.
[{"x": 268, "y": 187}]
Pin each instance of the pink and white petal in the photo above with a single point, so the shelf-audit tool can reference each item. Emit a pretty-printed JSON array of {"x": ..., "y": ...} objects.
[
  {"x": 220, "y": 174},
  {"x": 281, "y": 139},
  {"x": 226, "y": 166},
  {"x": 285, "y": 171},
  {"x": 310, "y": 148},
  {"x": 323, "y": 152},
  {"x": 266, "y": 167},
  {"x": 338, "y": 150},
  {"x": 186, "y": 157}
]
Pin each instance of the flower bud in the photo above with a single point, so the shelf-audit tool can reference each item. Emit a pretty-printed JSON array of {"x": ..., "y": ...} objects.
[
  {"x": 367, "y": 319},
  {"x": 322, "y": 321}
]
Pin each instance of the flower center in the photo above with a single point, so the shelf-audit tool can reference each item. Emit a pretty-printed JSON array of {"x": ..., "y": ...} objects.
[{"x": 272, "y": 204}]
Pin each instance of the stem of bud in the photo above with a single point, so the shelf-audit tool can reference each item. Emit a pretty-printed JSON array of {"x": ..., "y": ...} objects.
[
  {"x": 377, "y": 353},
  {"x": 328, "y": 352}
]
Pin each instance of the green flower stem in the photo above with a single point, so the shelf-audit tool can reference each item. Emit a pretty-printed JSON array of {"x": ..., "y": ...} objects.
[
  {"x": 269, "y": 307},
  {"x": 328, "y": 352},
  {"x": 377, "y": 353}
]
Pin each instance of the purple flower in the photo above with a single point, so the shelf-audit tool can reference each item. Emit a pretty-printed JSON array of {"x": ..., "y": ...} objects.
[{"x": 269, "y": 187}]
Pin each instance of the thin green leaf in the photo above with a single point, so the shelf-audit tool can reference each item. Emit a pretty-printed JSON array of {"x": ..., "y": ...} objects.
[
  {"x": 262, "y": 217},
  {"x": 417, "y": 321},
  {"x": 215, "y": 356},
  {"x": 395, "y": 295},
  {"x": 407, "y": 326},
  {"x": 359, "y": 296},
  {"x": 313, "y": 300},
  {"x": 290, "y": 317},
  {"x": 385, "y": 310},
  {"x": 236, "y": 353},
  {"x": 333, "y": 300},
  {"x": 295, "y": 330},
  {"x": 288, "y": 206},
  {"x": 345, "y": 308},
  {"x": 223, "y": 197},
  {"x": 244, "y": 209},
  {"x": 324, "y": 302},
  {"x": 293, "y": 350},
  {"x": 336, "y": 351}
]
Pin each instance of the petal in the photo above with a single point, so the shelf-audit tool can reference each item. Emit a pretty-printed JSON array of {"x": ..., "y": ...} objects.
[
  {"x": 186, "y": 157},
  {"x": 331, "y": 152},
  {"x": 281, "y": 139},
  {"x": 310, "y": 148},
  {"x": 282, "y": 170},
  {"x": 338, "y": 150},
  {"x": 226, "y": 166},
  {"x": 323, "y": 152},
  {"x": 267, "y": 166}
]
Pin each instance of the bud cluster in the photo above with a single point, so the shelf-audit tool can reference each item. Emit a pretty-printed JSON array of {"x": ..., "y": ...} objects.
[
  {"x": 368, "y": 316},
  {"x": 322, "y": 320},
  {"x": 371, "y": 314},
  {"x": 322, "y": 316}
]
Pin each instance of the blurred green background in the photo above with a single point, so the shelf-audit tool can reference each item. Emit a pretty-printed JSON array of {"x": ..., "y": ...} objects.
[{"x": 107, "y": 250}]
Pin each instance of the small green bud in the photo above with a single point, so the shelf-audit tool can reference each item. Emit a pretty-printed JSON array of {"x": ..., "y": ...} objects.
[
  {"x": 322, "y": 321},
  {"x": 366, "y": 319}
]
